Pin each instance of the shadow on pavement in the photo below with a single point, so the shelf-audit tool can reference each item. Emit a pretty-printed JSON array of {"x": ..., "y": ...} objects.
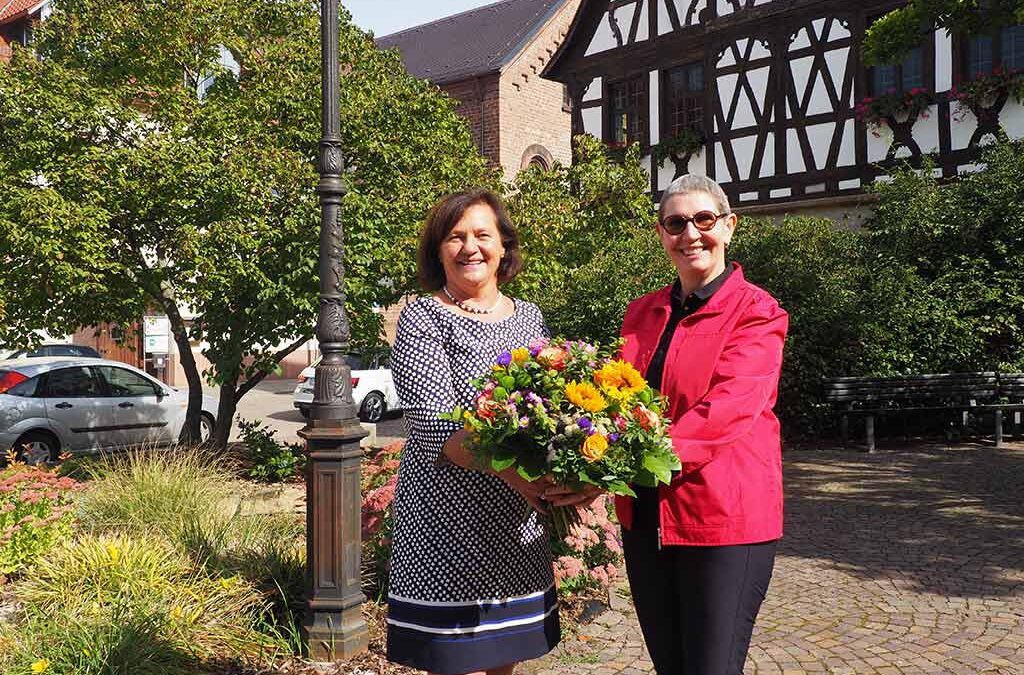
[{"x": 947, "y": 521}]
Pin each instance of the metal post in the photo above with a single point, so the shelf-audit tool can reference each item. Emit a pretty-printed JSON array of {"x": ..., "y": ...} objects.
[{"x": 334, "y": 628}]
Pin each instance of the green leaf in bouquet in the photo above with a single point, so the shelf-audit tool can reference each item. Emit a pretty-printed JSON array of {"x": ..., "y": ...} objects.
[
  {"x": 500, "y": 394},
  {"x": 502, "y": 463},
  {"x": 661, "y": 465},
  {"x": 523, "y": 379},
  {"x": 620, "y": 488},
  {"x": 645, "y": 478},
  {"x": 455, "y": 415},
  {"x": 530, "y": 473}
]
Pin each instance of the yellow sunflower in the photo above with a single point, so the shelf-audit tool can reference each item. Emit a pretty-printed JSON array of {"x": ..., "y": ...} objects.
[
  {"x": 619, "y": 379},
  {"x": 586, "y": 396}
]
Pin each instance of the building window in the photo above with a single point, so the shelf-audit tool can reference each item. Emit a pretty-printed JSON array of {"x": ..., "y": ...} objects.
[
  {"x": 986, "y": 53},
  {"x": 628, "y": 107},
  {"x": 684, "y": 98},
  {"x": 900, "y": 77}
]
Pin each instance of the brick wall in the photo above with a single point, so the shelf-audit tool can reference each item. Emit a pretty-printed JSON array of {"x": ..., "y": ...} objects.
[
  {"x": 478, "y": 103},
  {"x": 531, "y": 107}
]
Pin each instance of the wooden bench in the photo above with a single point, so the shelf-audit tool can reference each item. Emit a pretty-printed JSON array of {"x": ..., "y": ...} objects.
[{"x": 965, "y": 393}]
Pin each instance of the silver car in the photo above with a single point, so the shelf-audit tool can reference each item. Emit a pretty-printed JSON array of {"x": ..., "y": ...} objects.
[{"x": 51, "y": 405}]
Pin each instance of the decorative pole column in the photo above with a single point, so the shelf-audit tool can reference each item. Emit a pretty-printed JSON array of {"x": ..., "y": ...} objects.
[{"x": 334, "y": 627}]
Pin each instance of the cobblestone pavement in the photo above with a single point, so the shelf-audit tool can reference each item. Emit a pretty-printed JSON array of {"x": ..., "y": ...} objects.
[{"x": 895, "y": 563}]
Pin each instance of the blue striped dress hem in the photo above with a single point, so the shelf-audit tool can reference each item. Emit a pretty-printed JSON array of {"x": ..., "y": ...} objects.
[{"x": 450, "y": 638}]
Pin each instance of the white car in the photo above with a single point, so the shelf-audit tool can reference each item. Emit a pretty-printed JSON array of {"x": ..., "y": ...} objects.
[
  {"x": 373, "y": 390},
  {"x": 49, "y": 405}
]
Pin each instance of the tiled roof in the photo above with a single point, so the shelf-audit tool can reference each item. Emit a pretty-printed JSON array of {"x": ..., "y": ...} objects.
[
  {"x": 15, "y": 9},
  {"x": 475, "y": 42}
]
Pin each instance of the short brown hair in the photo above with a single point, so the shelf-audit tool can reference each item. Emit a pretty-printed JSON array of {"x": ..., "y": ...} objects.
[{"x": 444, "y": 216}]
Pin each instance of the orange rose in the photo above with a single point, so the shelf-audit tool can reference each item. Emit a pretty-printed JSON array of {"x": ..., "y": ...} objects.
[{"x": 594, "y": 447}]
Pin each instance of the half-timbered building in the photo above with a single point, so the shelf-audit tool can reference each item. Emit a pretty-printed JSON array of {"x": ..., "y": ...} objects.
[{"x": 771, "y": 98}]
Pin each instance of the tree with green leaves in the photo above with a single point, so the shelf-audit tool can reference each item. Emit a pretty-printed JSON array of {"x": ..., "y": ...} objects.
[
  {"x": 893, "y": 36},
  {"x": 579, "y": 224},
  {"x": 161, "y": 157}
]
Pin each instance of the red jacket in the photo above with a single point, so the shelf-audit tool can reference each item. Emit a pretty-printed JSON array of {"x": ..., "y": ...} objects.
[{"x": 721, "y": 378}]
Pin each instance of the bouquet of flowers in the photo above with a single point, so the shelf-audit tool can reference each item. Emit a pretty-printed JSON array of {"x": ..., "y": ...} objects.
[{"x": 570, "y": 410}]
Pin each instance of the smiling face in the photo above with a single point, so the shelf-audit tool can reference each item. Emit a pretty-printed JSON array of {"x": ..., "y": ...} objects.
[
  {"x": 699, "y": 257},
  {"x": 471, "y": 252}
]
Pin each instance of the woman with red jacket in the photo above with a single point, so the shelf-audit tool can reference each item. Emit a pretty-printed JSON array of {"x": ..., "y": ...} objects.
[{"x": 700, "y": 551}]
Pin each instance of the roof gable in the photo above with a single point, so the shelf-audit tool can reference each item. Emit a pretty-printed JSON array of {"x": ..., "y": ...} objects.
[
  {"x": 17, "y": 9},
  {"x": 475, "y": 42}
]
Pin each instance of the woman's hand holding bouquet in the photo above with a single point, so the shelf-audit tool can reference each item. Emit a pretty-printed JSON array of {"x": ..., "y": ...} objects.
[{"x": 571, "y": 413}]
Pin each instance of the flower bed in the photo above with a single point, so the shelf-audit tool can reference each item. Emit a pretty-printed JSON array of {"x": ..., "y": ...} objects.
[{"x": 35, "y": 513}]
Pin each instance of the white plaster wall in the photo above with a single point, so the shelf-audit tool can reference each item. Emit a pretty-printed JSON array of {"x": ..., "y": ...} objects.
[
  {"x": 800, "y": 70},
  {"x": 800, "y": 41},
  {"x": 665, "y": 174},
  {"x": 744, "y": 151},
  {"x": 943, "y": 61},
  {"x": 722, "y": 174},
  {"x": 593, "y": 92},
  {"x": 643, "y": 30},
  {"x": 926, "y": 131},
  {"x": 820, "y": 138},
  {"x": 592, "y": 121},
  {"x": 848, "y": 146},
  {"x": 961, "y": 131},
  {"x": 603, "y": 39},
  {"x": 664, "y": 24},
  {"x": 878, "y": 146},
  {"x": 655, "y": 110},
  {"x": 794, "y": 156},
  {"x": 698, "y": 165},
  {"x": 1013, "y": 119},
  {"x": 759, "y": 83}
]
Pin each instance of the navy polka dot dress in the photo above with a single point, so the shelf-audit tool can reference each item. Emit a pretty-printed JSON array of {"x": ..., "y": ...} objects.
[{"x": 471, "y": 580}]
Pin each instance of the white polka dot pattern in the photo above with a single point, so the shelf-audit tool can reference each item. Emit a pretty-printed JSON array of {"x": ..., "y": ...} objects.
[{"x": 460, "y": 535}]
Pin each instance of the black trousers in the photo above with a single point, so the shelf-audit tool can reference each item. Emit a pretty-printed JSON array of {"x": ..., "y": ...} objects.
[{"x": 697, "y": 604}]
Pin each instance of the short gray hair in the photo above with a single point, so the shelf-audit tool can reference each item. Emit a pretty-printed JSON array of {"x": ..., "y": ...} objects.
[{"x": 691, "y": 182}]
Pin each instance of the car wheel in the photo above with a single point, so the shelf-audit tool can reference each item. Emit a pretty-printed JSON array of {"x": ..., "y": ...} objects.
[
  {"x": 206, "y": 423},
  {"x": 373, "y": 407},
  {"x": 37, "y": 447}
]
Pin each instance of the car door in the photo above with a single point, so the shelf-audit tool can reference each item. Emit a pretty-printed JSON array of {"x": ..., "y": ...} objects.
[
  {"x": 388, "y": 384},
  {"x": 76, "y": 401},
  {"x": 142, "y": 411}
]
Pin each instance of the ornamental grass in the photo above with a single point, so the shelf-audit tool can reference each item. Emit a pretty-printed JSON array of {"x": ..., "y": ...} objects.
[{"x": 123, "y": 604}]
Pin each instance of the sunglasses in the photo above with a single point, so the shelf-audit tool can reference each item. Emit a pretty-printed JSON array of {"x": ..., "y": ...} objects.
[{"x": 702, "y": 220}]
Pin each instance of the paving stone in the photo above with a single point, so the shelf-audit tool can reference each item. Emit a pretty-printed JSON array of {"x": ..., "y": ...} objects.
[{"x": 902, "y": 562}]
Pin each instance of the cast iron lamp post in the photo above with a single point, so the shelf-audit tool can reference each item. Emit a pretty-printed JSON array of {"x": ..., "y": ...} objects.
[{"x": 333, "y": 626}]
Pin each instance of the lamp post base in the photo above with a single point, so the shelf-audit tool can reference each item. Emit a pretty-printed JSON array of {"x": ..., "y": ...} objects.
[
  {"x": 334, "y": 627},
  {"x": 336, "y": 636}
]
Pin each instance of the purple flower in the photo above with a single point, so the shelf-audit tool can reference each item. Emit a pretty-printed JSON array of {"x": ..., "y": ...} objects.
[
  {"x": 537, "y": 345},
  {"x": 532, "y": 398},
  {"x": 504, "y": 358},
  {"x": 584, "y": 424},
  {"x": 614, "y": 436}
]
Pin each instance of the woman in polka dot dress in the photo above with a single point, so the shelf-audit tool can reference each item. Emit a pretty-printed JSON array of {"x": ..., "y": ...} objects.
[{"x": 472, "y": 588}]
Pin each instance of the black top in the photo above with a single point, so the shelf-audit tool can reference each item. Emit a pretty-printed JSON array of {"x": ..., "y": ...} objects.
[{"x": 645, "y": 514}]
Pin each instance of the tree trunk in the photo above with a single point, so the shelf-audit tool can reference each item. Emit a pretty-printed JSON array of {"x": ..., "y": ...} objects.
[
  {"x": 189, "y": 432},
  {"x": 226, "y": 407}
]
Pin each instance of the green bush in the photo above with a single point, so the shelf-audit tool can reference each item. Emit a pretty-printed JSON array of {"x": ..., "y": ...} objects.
[
  {"x": 182, "y": 498},
  {"x": 35, "y": 514},
  {"x": 964, "y": 244},
  {"x": 138, "y": 605},
  {"x": 269, "y": 460}
]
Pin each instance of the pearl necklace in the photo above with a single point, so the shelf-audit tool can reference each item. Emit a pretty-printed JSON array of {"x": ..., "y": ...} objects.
[{"x": 472, "y": 310}]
